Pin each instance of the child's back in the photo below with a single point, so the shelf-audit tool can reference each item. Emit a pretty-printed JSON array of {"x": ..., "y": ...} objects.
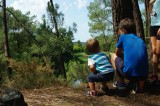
[{"x": 136, "y": 57}]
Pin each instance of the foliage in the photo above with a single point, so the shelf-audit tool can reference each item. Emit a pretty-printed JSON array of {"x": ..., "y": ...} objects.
[
  {"x": 100, "y": 22},
  {"x": 108, "y": 45},
  {"x": 61, "y": 38},
  {"x": 37, "y": 64},
  {"x": 30, "y": 74},
  {"x": 77, "y": 71},
  {"x": 78, "y": 47},
  {"x": 19, "y": 40},
  {"x": 82, "y": 56},
  {"x": 100, "y": 16}
]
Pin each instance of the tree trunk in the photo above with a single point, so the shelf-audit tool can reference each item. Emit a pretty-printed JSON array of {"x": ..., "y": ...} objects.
[
  {"x": 121, "y": 9},
  {"x": 147, "y": 18},
  {"x": 6, "y": 44},
  {"x": 138, "y": 20},
  {"x": 62, "y": 67},
  {"x": 127, "y": 9}
]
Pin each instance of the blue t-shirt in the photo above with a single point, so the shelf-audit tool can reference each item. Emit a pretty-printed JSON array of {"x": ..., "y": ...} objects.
[
  {"x": 101, "y": 63},
  {"x": 135, "y": 55},
  {"x": 155, "y": 14}
]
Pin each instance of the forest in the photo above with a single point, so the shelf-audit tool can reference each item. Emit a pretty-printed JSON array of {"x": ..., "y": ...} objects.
[{"x": 37, "y": 55}]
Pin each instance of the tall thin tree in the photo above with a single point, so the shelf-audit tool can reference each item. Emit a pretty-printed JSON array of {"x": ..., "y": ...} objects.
[
  {"x": 6, "y": 44},
  {"x": 54, "y": 18},
  {"x": 5, "y": 29},
  {"x": 138, "y": 19},
  {"x": 147, "y": 17}
]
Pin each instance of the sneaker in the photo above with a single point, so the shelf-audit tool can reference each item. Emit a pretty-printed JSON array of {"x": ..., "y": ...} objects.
[
  {"x": 154, "y": 80},
  {"x": 133, "y": 91},
  {"x": 104, "y": 89},
  {"x": 119, "y": 85},
  {"x": 136, "y": 89},
  {"x": 91, "y": 93}
]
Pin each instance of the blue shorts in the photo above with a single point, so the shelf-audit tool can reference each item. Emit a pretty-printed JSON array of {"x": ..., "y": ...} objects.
[
  {"x": 119, "y": 62},
  {"x": 98, "y": 77}
]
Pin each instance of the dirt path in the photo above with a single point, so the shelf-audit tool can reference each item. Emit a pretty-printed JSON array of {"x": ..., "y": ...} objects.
[{"x": 65, "y": 96}]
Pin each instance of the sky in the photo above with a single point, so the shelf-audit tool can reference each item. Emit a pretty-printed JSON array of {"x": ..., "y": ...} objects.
[{"x": 73, "y": 10}]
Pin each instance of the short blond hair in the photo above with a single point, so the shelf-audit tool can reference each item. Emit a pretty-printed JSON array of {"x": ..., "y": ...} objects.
[{"x": 92, "y": 45}]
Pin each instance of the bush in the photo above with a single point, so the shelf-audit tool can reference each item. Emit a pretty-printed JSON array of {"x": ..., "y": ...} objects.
[
  {"x": 77, "y": 72},
  {"x": 30, "y": 74}
]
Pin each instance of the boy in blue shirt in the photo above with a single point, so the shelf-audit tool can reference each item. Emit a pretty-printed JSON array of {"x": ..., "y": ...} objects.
[
  {"x": 130, "y": 58},
  {"x": 100, "y": 67}
]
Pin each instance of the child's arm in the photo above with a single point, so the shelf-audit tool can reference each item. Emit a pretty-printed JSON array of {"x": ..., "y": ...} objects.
[
  {"x": 151, "y": 5},
  {"x": 158, "y": 33},
  {"x": 92, "y": 68},
  {"x": 91, "y": 65}
]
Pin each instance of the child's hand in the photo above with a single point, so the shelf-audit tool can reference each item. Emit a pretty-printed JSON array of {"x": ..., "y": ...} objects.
[{"x": 158, "y": 33}]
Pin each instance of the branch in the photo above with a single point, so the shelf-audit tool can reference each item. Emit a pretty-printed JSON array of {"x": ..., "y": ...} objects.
[{"x": 21, "y": 24}]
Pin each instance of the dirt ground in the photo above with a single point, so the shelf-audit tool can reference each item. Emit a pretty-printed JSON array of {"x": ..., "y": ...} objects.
[{"x": 66, "y": 96}]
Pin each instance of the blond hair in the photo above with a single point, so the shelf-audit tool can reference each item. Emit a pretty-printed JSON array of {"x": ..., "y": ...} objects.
[{"x": 92, "y": 45}]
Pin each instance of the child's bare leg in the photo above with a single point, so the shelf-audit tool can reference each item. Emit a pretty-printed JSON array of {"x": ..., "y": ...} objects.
[
  {"x": 154, "y": 50},
  {"x": 158, "y": 55},
  {"x": 141, "y": 86},
  {"x": 155, "y": 64},
  {"x": 113, "y": 57},
  {"x": 92, "y": 86}
]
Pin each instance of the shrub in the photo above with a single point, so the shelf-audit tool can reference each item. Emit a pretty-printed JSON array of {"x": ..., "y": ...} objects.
[
  {"x": 77, "y": 72},
  {"x": 30, "y": 74}
]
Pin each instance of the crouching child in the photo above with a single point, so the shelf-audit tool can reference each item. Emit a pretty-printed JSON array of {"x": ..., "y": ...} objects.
[{"x": 99, "y": 66}]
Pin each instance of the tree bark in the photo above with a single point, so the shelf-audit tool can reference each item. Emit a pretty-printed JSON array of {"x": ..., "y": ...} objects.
[
  {"x": 147, "y": 18},
  {"x": 121, "y": 9},
  {"x": 62, "y": 67},
  {"x": 138, "y": 20},
  {"x": 6, "y": 44},
  {"x": 127, "y": 9}
]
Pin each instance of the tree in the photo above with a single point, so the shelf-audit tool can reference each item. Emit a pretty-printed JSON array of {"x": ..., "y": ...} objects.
[
  {"x": 100, "y": 21},
  {"x": 99, "y": 15},
  {"x": 138, "y": 19},
  {"x": 62, "y": 38},
  {"x": 147, "y": 17},
  {"x": 20, "y": 37},
  {"x": 121, "y": 9},
  {"x": 127, "y": 9},
  {"x": 6, "y": 44}
]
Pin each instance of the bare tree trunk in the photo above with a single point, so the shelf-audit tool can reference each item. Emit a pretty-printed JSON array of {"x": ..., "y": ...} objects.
[
  {"x": 121, "y": 9},
  {"x": 62, "y": 67},
  {"x": 138, "y": 20},
  {"x": 148, "y": 33},
  {"x": 147, "y": 18},
  {"x": 6, "y": 44}
]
